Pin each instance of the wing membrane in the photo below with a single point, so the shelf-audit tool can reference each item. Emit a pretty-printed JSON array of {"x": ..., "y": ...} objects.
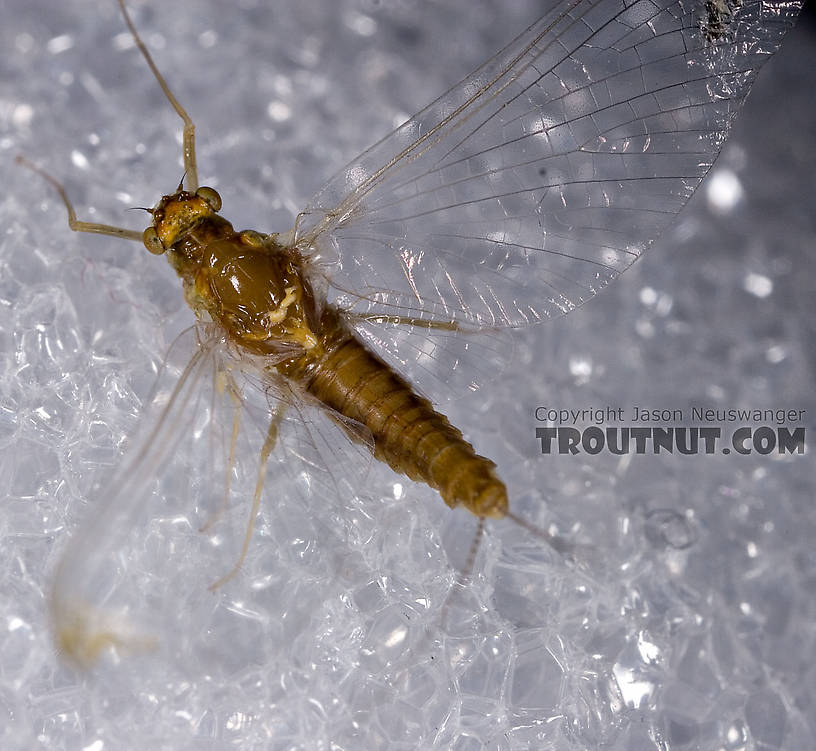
[
  {"x": 443, "y": 363},
  {"x": 530, "y": 185},
  {"x": 99, "y": 576},
  {"x": 174, "y": 518}
]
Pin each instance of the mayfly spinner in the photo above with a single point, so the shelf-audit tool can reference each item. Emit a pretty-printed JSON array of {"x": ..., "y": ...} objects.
[{"x": 514, "y": 197}]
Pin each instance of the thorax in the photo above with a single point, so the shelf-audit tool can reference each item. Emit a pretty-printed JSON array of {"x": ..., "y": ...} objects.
[{"x": 256, "y": 289}]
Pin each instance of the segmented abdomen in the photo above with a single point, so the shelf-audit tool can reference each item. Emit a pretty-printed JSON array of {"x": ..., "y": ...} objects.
[{"x": 409, "y": 434}]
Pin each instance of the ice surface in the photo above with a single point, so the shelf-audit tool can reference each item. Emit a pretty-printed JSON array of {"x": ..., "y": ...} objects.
[{"x": 690, "y": 627}]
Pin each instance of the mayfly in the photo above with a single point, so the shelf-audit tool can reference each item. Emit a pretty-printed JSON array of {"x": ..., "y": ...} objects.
[{"x": 514, "y": 197}]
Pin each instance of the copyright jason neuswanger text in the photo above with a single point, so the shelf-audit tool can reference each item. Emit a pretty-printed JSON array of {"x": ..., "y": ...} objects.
[{"x": 690, "y": 430}]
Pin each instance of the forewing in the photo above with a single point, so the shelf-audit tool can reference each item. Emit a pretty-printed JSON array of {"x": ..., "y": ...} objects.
[
  {"x": 530, "y": 185},
  {"x": 227, "y": 453},
  {"x": 114, "y": 557}
]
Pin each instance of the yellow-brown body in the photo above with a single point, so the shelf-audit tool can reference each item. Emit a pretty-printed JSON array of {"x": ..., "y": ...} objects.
[
  {"x": 409, "y": 435},
  {"x": 260, "y": 292}
]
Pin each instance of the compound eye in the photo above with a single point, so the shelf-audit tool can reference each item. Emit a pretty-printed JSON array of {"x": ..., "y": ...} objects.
[
  {"x": 210, "y": 195},
  {"x": 151, "y": 241}
]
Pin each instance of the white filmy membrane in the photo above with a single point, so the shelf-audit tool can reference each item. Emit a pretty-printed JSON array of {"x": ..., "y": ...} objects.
[{"x": 690, "y": 638}]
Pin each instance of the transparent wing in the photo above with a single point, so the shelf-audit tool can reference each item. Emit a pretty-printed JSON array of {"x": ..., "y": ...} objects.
[
  {"x": 91, "y": 608},
  {"x": 443, "y": 360},
  {"x": 227, "y": 451},
  {"x": 530, "y": 185},
  {"x": 324, "y": 454}
]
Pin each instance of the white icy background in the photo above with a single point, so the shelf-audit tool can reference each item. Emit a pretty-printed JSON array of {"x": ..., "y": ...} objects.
[{"x": 703, "y": 644}]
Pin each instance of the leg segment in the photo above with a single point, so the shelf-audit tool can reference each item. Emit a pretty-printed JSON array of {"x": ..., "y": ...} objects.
[
  {"x": 421, "y": 323},
  {"x": 190, "y": 167},
  {"x": 267, "y": 448},
  {"x": 73, "y": 222}
]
